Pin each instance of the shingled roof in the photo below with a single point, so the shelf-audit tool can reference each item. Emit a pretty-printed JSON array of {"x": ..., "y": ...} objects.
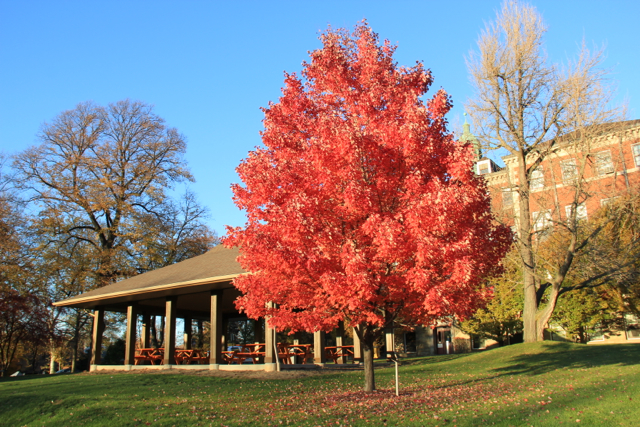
[{"x": 216, "y": 267}]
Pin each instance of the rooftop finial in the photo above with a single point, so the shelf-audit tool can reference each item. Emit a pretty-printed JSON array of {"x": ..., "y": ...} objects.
[
  {"x": 466, "y": 127},
  {"x": 467, "y": 136}
]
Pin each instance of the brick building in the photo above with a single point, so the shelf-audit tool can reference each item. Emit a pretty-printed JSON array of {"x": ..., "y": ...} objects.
[
  {"x": 582, "y": 172},
  {"x": 605, "y": 166}
]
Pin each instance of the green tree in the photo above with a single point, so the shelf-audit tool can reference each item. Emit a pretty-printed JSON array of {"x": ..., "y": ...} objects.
[
  {"x": 583, "y": 310},
  {"x": 501, "y": 318}
]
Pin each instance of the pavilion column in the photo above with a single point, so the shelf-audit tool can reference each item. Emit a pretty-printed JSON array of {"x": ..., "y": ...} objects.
[
  {"x": 145, "y": 339},
  {"x": 188, "y": 333},
  {"x": 215, "y": 333},
  {"x": 357, "y": 348},
  {"x": 170, "y": 331},
  {"x": 339, "y": 342},
  {"x": 130, "y": 335},
  {"x": 98, "y": 329},
  {"x": 390, "y": 343},
  {"x": 319, "y": 342}
]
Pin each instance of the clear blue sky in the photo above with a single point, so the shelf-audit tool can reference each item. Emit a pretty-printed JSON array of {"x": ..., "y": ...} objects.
[{"x": 209, "y": 66}]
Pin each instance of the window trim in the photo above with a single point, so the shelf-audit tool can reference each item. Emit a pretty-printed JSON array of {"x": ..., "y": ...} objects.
[
  {"x": 510, "y": 193},
  {"x": 581, "y": 206},
  {"x": 486, "y": 168},
  {"x": 545, "y": 225},
  {"x": 635, "y": 152},
  {"x": 598, "y": 163},
  {"x": 536, "y": 183},
  {"x": 563, "y": 169},
  {"x": 627, "y": 323}
]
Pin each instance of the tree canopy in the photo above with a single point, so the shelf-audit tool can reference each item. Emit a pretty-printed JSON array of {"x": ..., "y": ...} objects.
[
  {"x": 97, "y": 190},
  {"x": 536, "y": 111},
  {"x": 99, "y": 178},
  {"x": 361, "y": 206}
]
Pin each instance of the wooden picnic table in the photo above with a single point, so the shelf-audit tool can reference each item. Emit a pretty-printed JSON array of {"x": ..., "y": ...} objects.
[
  {"x": 302, "y": 351},
  {"x": 287, "y": 353},
  {"x": 187, "y": 356},
  {"x": 338, "y": 352},
  {"x": 233, "y": 356},
  {"x": 155, "y": 356},
  {"x": 255, "y": 352}
]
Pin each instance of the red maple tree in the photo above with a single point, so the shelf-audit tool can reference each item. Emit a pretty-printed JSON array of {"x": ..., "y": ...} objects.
[{"x": 361, "y": 207}]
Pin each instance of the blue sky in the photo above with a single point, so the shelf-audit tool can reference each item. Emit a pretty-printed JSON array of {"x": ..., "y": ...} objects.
[{"x": 208, "y": 67}]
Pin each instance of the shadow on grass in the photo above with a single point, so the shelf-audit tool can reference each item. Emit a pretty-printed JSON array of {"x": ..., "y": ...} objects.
[
  {"x": 8, "y": 380},
  {"x": 547, "y": 356}
]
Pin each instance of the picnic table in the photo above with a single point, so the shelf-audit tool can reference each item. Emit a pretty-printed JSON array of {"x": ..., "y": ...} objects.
[
  {"x": 255, "y": 352},
  {"x": 301, "y": 351},
  {"x": 187, "y": 356},
  {"x": 338, "y": 352},
  {"x": 155, "y": 356},
  {"x": 233, "y": 356}
]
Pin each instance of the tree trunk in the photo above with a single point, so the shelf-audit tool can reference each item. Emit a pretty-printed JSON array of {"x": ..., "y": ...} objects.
[
  {"x": 525, "y": 242},
  {"x": 201, "y": 335},
  {"x": 367, "y": 349},
  {"x": 530, "y": 310},
  {"x": 75, "y": 356},
  {"x": 34, "y": 358},
  {"x": 547, "y": 312},
  {"x": 52, "y": 357},
  {"x": 153, "y": 332},
  {"x": 76, "y": 338}
]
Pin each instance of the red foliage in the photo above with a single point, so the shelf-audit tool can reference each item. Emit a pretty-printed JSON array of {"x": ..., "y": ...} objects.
[
  {"x": 22, "y": 321},
  {"x": 361, "y": 206}
]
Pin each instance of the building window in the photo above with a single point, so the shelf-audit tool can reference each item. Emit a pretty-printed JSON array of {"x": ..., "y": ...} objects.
[
  {"x": 569, "y": 171},
  {"x": 542, "y": 221},
  {"x": 537, "y": 179},
  {"x": 484, "y": 167},
  {"x": 581, "y": 212},
  {"x": 507, "y": 198},
  {"x": 633, "y": 327},
  {"x": 605, "y": 202},
  {"x": 604, "y": 164},
  {"x": 477, "y": 343},
  {"x": 595, "y": 334},
  {"x": 636, "y": 154}
]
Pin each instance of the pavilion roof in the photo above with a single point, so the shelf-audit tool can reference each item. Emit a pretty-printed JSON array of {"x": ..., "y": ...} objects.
[{"x": 218, "y": 265}]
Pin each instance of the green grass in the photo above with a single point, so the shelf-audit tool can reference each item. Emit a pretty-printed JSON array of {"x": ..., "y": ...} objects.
[{"x": 541, "y": 384}]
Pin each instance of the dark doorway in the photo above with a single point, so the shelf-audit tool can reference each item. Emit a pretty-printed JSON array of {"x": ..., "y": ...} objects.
[{"x": 443, "y": 341}]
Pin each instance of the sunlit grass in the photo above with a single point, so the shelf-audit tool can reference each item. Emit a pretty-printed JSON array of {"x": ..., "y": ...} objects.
[{"x": 542, "y": 384}]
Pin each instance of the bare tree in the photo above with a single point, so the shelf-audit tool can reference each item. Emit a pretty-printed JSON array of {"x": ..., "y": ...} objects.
[
  {"x": 96, "y": 172},
  {"x": 179, "y": 234},
  {"x": 538, "y": 111},
  {"x": 98, "y": 182}
]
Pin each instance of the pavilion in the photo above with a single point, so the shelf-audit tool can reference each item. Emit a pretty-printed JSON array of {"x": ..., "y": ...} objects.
[{"x": 199, "y": 288}]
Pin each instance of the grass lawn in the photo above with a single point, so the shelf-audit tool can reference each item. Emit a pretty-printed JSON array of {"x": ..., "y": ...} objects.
[{"x": 540, "y": 384}]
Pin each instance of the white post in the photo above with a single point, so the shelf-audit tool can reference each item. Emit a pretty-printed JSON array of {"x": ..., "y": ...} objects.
[
  {"x": 275, "y": 349},
  {"x": 397, "y": 380}
]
